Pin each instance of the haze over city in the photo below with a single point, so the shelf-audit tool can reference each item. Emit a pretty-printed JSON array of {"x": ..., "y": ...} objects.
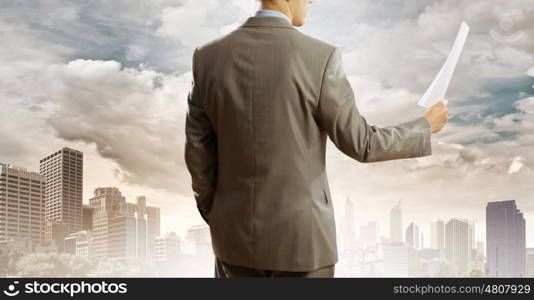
[{"x": 111, "y": 79}]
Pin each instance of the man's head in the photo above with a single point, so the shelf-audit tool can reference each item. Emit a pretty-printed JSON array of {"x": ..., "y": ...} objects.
[{"x": 296, "y": 10}]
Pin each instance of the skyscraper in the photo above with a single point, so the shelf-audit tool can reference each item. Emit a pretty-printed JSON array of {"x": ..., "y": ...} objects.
[
  {"x": 63, "y": 172},
  {"x": 56, "y": 231},
  {"x": 437, "y": 235},
  {"x": 400, "y": 260},
  {"x": 457, "y": 244},
  {"x": 87, "y": 217},
  {"x": 123, "y": 237},
  {"x": 369, "y": 234},
  {"x": 395, "y": 224},
  {"x": 106, "y": 204},
  {"x": 122, "y": 229},
  {"x": 472, "y": 244},
  {"x": 140, "y": 213},
  {"x": 21, "y": 204},
  {"x": 349, "y": 232},
  {"x": 167, "y": 247},
  {"x": 198, "y": 241},
  {"x": 530, "y": 261},
  {"x": 506, "y": 239},
  {"x": 413, "y": 236},
  {"x": 153, "y": 228}
]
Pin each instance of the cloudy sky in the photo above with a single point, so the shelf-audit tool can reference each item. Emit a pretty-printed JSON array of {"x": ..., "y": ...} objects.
[{"x": 110, "y": 78}]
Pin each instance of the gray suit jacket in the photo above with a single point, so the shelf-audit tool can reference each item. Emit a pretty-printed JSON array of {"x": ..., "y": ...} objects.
[{"x": 263, "y": 101}]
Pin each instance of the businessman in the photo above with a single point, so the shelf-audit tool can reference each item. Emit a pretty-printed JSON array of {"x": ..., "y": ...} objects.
[{"x": 264, "y": 100}]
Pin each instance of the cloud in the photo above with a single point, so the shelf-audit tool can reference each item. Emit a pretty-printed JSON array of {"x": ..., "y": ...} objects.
[
  {"x": 195, "y": 23},
  {"x": 406, "y": 53},
  {"x": 516, "y": 165},
  {"x": 135, "y": 117}
]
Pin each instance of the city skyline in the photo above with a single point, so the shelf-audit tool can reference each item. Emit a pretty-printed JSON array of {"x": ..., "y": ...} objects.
[
  {"x": 121, "y": 229},
  {"x": 396, "y": 210},
  {"x": 46, "y": 208}
]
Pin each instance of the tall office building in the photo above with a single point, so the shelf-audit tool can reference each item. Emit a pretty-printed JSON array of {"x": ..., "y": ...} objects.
[
  {"x": 106, "y": 204},
  {"x": 87, "y": 217},
  {"x": 122, "y": 238},
  {"x": 530, "y": 262},
  {"x": 153, "y": 228},
  {"x": 395, "y": 223},
  {"x": 63, "y": 173},
  {"x": 122, "y": 229},
  {"x": 457, "y": 244},
  {"x": 437, "y": 235},
  {"x": 349, "y": 232},
  {"x": 198, "y": 240},
  {"x": 413, "y": 236},
  {"x": 479, "y": 249},
  {"x": 472, "y": 245},
  {"x": 56, "y": 231},
  {"x": 148, "y": 225},
  {"x": 21, "y": 204},
  {"x": 505, "y": 239},
  {"x": 369, "y": 234},
  {"x": 167, "y": 247},
  {"x": 400, "y": 260}
]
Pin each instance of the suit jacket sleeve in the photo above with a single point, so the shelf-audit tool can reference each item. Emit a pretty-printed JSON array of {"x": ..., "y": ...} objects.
[
  {"x": 200, "y": 149},
  {"x": 349, "y": 131}
]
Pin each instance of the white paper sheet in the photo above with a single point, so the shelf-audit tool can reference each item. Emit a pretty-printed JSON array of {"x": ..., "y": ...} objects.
[{"x": 437, "y": 90}]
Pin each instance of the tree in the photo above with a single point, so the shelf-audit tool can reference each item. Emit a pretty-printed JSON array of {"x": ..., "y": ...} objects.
[
  {"x": 52, "y": 265},
  {"x": 9, "y": 261},
  {"x": 447, "y": 269},
  {"x": 123, "y": 268},
  {"x": 476, "y": 273},
  {"x": 4, "y": 262}
]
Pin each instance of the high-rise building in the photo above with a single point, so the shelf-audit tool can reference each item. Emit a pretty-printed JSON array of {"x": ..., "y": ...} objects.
[
  {"x": 56, "y": 231},
  {"x": 70, "y": 243},
  {"x": 479, "y": 250},
  {"x": 167, "y": 247},
  {"x": 123, "y": 237},
  {"x": 472, "y": 245},
  {"x": 79, "y": 243},
  {"x": 530, "y": 262},
  {"x": 153, "y": 228},
  {"x": 140, "y": 207},
  {"x": 400, "y": 260},
  {"x": 21, "y": 204},
  {"x": 413, "y": 236},
  {"x": 122, "y": 229},
  {"x": 198, "y": 240},
  {"x": 505, "y": 239},
  {"x": 395, "y": 224},
  {"x": 106, "y": 204},
  {"x": 349, "y": 232},
  {"x": 63, "y": 172},
  {"x": 457, "y": 244},
  {"x": 437, "y": 235},
  {"x": 87, "y": 217},
  {"x": 369, "y": 234}
]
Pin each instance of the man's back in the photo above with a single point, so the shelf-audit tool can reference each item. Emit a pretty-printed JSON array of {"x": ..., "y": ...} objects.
[{"x": 264, "y": 100}]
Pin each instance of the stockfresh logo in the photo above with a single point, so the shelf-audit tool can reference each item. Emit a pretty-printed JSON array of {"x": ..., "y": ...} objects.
[{"x": 12, "y": 289}]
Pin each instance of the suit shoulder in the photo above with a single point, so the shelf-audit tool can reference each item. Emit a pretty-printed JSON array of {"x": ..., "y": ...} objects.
[
  {"x": 214, "y": 44},
  {"x": 314, "y": 43}
]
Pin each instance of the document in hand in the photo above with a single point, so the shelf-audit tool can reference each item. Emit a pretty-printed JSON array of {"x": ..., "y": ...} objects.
[{"x": 439, "y": 86}]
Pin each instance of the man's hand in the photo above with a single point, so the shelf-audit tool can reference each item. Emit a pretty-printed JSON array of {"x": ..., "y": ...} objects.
[{"x": 437, "y": 115}]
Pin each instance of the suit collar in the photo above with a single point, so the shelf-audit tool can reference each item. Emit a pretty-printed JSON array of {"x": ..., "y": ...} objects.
[{"x": 267, "y": 22}]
